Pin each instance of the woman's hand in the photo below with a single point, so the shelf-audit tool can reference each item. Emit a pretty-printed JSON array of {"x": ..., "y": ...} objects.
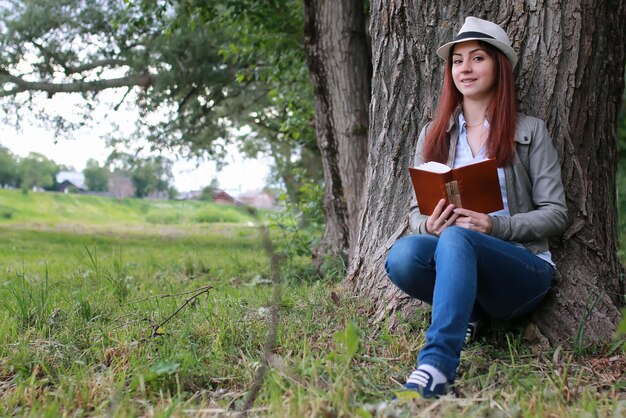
[
  {"x": 441, "y": 218},
  {"x": 475, "y": 221}
]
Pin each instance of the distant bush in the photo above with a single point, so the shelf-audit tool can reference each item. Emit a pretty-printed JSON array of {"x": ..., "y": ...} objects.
[
  {"x": 196, "y": 214},
  {"x": 213, "y": 214},
  {"x": 167, "y": 217},
  {"x": 97, "y": 209},
  {"x": 5, "y": 212},
  {"x": 207, "y": 194}
]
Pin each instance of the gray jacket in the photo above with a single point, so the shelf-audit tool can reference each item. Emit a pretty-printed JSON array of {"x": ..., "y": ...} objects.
[{"x": 534, "y": 189}]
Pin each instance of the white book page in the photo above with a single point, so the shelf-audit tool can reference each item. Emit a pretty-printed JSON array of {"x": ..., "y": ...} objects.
[{"x": 434, "y": 167}]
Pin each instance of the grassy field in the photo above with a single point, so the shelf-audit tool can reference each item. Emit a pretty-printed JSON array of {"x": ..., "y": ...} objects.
[{"x": 88, "y": 287}]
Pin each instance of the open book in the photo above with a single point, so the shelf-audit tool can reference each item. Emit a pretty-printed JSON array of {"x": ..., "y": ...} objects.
[{"x": 474, "y": 186}]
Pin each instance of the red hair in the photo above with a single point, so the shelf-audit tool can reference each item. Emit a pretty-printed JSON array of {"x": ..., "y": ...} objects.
[{"x": 501, "y": 112}]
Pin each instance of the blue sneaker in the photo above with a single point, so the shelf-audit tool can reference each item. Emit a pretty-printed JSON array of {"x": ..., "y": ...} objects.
[{"x": 422, "y": 384}]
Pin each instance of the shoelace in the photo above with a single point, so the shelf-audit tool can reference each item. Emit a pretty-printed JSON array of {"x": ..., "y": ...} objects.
[{"x": 419, "y": 377}]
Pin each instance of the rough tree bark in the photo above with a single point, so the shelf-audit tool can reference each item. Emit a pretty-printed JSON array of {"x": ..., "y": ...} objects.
[
  {"x": 338, "y": 61},
  {"x": 571, "y": 75}
]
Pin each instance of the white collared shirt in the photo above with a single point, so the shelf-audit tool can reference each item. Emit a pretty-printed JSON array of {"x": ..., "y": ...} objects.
[{"x": 464, "y": 157}]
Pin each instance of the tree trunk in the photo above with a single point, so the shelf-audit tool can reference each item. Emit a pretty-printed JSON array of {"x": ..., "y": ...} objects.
[
  {"x": 287, "y": 170},
  {"x": 570, "y": 74},
  {"x": 281, "y": 153},
  {"x": 338, "y": 61}
]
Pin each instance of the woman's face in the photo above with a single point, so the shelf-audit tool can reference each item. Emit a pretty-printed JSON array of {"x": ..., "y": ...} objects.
[{"x": 473, "y": 71}]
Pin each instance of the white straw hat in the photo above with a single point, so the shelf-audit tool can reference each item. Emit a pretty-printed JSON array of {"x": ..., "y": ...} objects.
[{"x": 475, "y": 29}]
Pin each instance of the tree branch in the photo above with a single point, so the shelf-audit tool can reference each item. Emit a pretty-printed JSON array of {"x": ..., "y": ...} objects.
[
  {"x": 272, "y": 337},
  {"x": 187, "y": 97},
  {"x": 143, "y": 79},
  {"x": 50, "y": 54},
  {"x": 69, "y": 70},
  {"x": 117, "y": 106},
  {"x": 156, "y": 329},
  {"x": 111, "y": 62}
]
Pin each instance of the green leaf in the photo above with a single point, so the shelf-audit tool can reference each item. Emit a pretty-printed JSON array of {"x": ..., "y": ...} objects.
[
  {"x": 363, "y": 413},
  {"x": 165, "y": 367},
  {"x": 406, "y": 395},
  {"x": 348, "y": 339}
]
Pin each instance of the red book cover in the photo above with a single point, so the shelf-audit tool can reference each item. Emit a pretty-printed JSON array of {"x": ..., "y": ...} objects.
[{"x": 474, "y": 186}]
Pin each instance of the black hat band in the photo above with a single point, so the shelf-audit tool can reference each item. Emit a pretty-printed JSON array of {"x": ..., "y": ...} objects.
[{"x": 466, "y": 35}]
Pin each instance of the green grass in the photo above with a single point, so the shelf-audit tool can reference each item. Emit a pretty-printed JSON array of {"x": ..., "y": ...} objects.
[
  {"x": 52, "y": 208},
  {"x": 79, "y": 299}
]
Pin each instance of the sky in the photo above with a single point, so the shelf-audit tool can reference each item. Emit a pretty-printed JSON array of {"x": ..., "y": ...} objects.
[{"x": 238, "y": 176}]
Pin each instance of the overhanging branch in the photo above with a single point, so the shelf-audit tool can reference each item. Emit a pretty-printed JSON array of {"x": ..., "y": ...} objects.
[
  {"x": 96, "y": 64},
  {"x": 143, "y": 80},
  {"x": 68, "y": 70}
]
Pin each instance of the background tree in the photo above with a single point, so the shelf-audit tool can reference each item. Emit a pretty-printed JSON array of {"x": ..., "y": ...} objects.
[
  {"x": 151, "y": 175},
  {"x": 8, "y": 168},
  {"x": 96, "y": 176},
  {"x": 339, "y": 64},
  {"x": 37, "y": 170},
  {"x": 197, "y": 72},
  {"x": 148, "y": 174},
  {"x": 268, "y": 37},
  {"x": 571, "y": 74},
  {"x": 209, "y": 191}
]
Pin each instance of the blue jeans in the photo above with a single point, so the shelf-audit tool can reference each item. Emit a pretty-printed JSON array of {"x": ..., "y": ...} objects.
[{"x": 465, "y": 274}]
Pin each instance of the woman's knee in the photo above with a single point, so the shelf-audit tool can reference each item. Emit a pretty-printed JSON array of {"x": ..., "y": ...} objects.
[
  {"x": 408, "y": 257},
  {"x": 455, "y": 233},
  {"x": 396, "y": 259}
]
